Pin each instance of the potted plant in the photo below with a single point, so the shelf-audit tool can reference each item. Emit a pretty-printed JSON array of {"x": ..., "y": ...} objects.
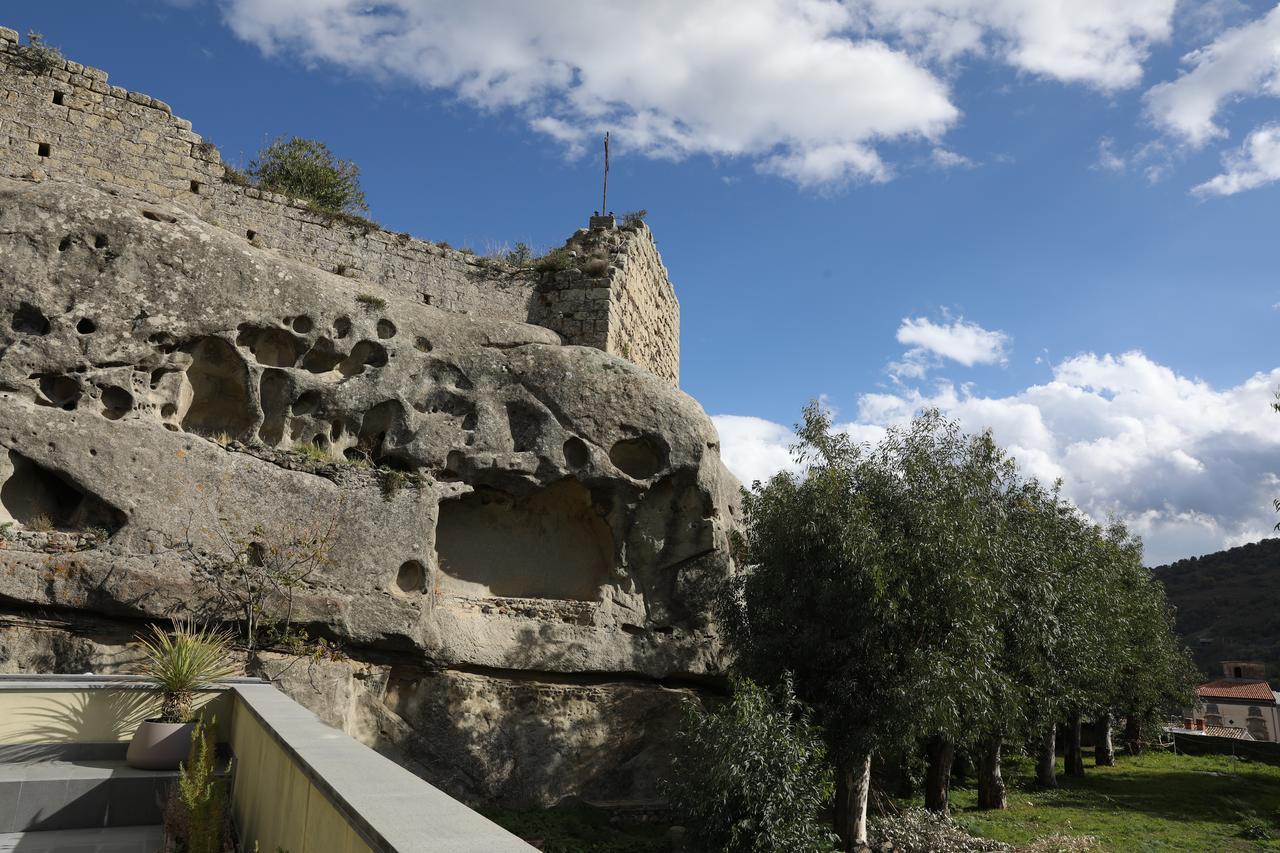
[{"x": 181, "y": 662}]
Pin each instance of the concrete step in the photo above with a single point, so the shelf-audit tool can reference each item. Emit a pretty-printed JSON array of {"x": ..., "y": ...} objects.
[
  {"x": 125, "y": 839},
  {"x": 41, "y": 792}
]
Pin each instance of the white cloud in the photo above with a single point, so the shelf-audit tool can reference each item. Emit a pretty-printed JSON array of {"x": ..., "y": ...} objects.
[
  {"x": 1256, "y": 163},
  {"x": 958, "y": 340},
  {"x": 782, "y": 81},
  {"x": 1108, "y": 159},
  {"x": 944, "y": 158},
  {"x": 1192, "y": 468},
  {"x": 809, "y": 90},
  {"x": 1102, "y": 43},
  {"x": 1241, "y": 62},
  {"x": 754, "y": 448}
]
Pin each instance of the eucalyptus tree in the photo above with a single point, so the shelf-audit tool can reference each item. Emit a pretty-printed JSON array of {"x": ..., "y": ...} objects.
[
  {"x": 1152, "y": 671},
  {"x": 1024, "y": 683},
  {"x": 867, "y": 581}
]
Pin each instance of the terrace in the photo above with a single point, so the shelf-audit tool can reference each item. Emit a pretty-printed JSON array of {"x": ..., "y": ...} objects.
[{"x": 297, "y": 784}]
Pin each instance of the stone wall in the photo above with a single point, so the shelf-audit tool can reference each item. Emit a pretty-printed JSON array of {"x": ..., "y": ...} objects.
[
  {"x": 65, "y": 120},
  {"x": 617, "y": 297}
]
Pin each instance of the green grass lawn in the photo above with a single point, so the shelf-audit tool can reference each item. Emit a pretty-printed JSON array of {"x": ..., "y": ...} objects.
[{"x": 1155, "y": 801}]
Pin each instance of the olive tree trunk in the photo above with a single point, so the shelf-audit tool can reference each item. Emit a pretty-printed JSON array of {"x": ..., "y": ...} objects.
[
  {"x": 1072, "y": 753},
  {"x": 1046, "y": 758},
  {"x": 1104, "y": 755},
  {"x": 853, "y": 783},
  {"x": 1132, "y": 735},
  {"x": 937, "y": 786},
  {"x": 990, "y": 782}
]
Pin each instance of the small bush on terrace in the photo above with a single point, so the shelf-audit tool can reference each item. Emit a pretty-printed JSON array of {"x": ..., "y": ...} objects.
[
  {"x": 554, "y": 261},
  {"x": 752, "y": 774},
  {"x": 306, "y": 169}
]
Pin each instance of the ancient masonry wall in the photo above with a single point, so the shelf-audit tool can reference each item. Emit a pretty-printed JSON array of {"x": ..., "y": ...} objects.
[{"x": 66, "y": 121}]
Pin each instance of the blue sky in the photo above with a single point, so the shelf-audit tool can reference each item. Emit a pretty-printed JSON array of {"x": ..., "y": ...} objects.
[{"x": 1054, "y": 218}]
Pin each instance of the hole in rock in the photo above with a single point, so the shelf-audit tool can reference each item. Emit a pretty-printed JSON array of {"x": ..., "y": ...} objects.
[
  {"x": 159, "y": 217},
  {"x": 163, "y": 341},
  {"x": 29, "y": 320},
  {"x": 422, "y": 344},
  {"x": 342, "y": 327},
  {"x": 454, "y": 461},
  {"x": 250, "y": 235},
  {"x": 35, "y": 496},
  {"x": 382, "y": 429},
  {"x": 195, "y": 187},
  {"x": 444, "y": 373},
  {"x": 270, "y": 346},
  {"x": 59, "y": 98},
  {"x": 274, "y": 392},
  {"x": 220, "y": 394},
  {"x": 86, "y": 326},
  {"x": 302, "y": 324},
  {"x": 307, "y": 402},
  {"x": 641, "y": 457},
  {"x": 44, "y": 150},
  {"x": 364, "y": 354},
  {"x": 116, "y": 402},
  {"x": 64, "y": 243},
  {"x": 335, "y": 430},
  {"x": 412, "y": 577},
  {"x": 552, "y": 544},
  {"x": 386, "y": 329},
  {"x": 100, "y": 241},
  {"x": 322, "y": 357},
  {"x": 525, "y": 423},
  {"x": 60, "y": 391},
  {"x": 575, "y": 453},
  {"x": 168, "y": 410}
]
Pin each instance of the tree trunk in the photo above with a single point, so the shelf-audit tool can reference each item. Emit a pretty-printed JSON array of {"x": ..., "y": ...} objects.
[
  {"x": 1073, "y": 754},
  {"x": 1132, "y": 735},
  {"x": 990, "y": 782},
  {"x": 1103, "y": 753},
  {"x": 937, "y": 785},
  {"x": 1047, "y": 759},
  {"x": 853, "y": 782}
]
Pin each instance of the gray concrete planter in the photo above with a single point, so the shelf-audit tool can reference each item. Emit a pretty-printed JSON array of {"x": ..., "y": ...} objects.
[{"x": 160, "y": 746}]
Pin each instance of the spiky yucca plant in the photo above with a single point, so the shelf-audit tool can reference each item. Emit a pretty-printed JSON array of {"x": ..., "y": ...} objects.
[{"x": 182, "y": 661}]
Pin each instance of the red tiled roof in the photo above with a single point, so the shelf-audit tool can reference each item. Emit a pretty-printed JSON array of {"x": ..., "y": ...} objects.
[
  {"x": 1227, "y": 731},
  {"x": 1236, "y": 688}
]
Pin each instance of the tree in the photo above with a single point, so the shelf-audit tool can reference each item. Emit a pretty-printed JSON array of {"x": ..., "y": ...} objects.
[
  {"x": 752, "y": 775},
  {"x": 865, "y": 580},
  {"x": 306, "y": 169},
  {"x": 1026, "y": 630}
]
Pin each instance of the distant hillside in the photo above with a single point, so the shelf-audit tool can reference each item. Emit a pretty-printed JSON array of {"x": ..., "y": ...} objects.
[{"x": 1229, "y": 605}]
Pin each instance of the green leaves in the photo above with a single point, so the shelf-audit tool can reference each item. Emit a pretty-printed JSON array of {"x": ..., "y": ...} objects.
[
  {"x": 751, "y": 775},
  {"x": 306, "y": 169},
  {"x": 183, "y": 661}
]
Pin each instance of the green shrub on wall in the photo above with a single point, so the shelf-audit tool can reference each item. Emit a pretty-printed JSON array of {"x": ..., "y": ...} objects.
[{"x": 307, "y": 169}]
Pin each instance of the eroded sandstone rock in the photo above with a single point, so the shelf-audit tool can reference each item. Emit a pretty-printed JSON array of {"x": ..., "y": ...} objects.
[{"x": 517, "y": 525}]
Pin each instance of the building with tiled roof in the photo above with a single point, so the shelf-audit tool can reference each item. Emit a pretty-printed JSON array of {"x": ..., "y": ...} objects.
[{"x": 1241, "y": 701}]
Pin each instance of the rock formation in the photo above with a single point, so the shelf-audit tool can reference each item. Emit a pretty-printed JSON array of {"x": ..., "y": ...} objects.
[{"x": 513, "y": 529}]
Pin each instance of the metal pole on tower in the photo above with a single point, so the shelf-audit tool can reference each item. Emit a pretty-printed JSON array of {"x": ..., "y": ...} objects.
[{"x": 604, "y": 197}]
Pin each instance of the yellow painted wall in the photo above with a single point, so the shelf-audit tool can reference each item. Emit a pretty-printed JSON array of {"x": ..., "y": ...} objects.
[
  {"x": 85, "y": 716},
  {"x": 274, "y": 802}
]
